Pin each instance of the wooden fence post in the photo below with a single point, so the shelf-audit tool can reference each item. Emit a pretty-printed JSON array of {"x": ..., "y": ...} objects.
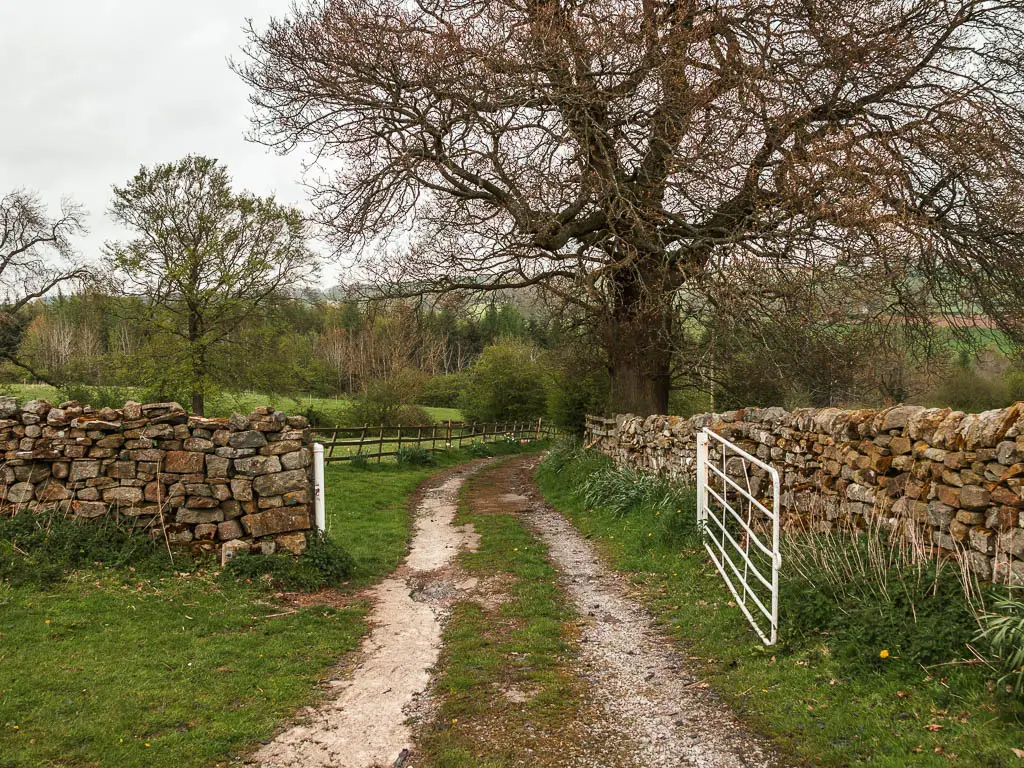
[{"x": 380, "y": 444}]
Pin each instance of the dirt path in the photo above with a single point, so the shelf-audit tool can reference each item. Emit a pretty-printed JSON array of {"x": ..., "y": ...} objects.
[
  {"x": 662, "y": 711},
  {"x": 364, "y": 725},
  {"x": 644, "y": 706}
]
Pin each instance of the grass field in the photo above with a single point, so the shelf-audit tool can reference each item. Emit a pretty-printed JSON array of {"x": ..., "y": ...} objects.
[
  {"x": 224, "y": 404},
  {"x": 826, "y": 714},
  {"x": 184, "y": 668}
]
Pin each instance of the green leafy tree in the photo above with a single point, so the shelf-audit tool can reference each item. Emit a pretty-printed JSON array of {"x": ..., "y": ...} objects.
[
  {"x": 204, "y": 259},
  {"x": 507, "y": 383}
]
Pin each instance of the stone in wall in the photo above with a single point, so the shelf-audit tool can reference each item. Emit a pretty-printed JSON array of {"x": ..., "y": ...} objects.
[
  {"x": 953, "y": 479},
  {"x": 202, "y": 482}
]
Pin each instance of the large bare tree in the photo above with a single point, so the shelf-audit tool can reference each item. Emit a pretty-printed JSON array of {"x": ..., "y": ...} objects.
[
  {"x": 626, "y": 155},
  {"x": 36, "y": 256}
]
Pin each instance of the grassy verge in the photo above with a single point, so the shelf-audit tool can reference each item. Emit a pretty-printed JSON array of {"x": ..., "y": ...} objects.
[
  {"x": 170, "y": 671},
  {"x": 162, "y": 666},
  {"x": 503, "y": 684},
  {"x": 823, "y": 707}
]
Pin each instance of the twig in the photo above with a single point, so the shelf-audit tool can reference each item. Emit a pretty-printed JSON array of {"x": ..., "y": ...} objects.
[
  {"x": 160, "y": 509},
  {"x": 275, "y": 615}
]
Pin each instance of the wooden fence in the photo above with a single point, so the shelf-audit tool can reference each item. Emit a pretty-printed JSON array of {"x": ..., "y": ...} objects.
[
  {"x": 345, "y": 443},
  {"x": 599, "y": 426}
]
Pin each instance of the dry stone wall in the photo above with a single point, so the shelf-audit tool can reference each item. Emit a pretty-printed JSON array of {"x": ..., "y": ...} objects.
[
  {"x": 954, "y": 480},
  {"x": 199, "y": 482}
]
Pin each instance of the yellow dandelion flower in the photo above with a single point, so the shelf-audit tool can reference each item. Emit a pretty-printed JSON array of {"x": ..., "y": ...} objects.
[{"x": 883, "y": 654}]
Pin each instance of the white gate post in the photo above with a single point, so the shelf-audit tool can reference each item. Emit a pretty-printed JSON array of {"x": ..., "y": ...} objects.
[
  {"x": 702, "y": 470},
  {"x": 318, "y": 487}
]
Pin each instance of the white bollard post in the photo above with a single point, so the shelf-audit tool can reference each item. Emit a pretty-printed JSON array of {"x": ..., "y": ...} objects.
[
  {"x": 702, "y": 479},
  {"x": 318, "y": 487}
]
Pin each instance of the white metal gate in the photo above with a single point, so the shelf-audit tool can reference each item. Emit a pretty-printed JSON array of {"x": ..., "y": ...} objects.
[{"x": 735, "y": 527}]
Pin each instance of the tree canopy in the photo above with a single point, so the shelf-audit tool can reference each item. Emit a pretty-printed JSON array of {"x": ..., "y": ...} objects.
[
  {"x": 627, "y": 157},
  {"x": 203, "y": 260}
]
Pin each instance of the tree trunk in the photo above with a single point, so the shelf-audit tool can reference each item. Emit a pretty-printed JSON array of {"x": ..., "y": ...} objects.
[
  {"x": 638, "y": 338},
  {"x": 197, "y": 353},
  {"x": 640, "y": 377},
  {"x": 639, "y": 361}
]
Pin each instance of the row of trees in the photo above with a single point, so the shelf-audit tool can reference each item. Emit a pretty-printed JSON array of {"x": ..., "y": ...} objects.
[
  {"x": 216, "y": 289},
  {"x": 202, "y": 260},
  {"x": 215, "y": 292},
  {"x": 294, "y": 345}
]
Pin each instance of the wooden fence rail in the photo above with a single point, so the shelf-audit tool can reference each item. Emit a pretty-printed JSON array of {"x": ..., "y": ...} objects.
[{"x": 371, "y": 442}]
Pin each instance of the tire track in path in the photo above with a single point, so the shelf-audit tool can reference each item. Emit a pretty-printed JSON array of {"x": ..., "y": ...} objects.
[
  {"x": 650, "y": 694},
  {"x": 364, "y": 723}
]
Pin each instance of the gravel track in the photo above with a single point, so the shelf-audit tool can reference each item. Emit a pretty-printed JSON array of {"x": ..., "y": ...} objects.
[
  {"x": 365, "y": 723},
  {"x": 660, "y": 707}
]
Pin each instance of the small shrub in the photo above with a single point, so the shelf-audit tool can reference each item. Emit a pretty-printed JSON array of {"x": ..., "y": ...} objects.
[
  {"x": 389, "y": 402},
  {"x": 413, "y": 416},
  {"x": 414, "y": 456},
  {"x": 572, "y": 394},
  {"x": 323, "y": 563},
  {"x": 316, "y": 417},
  {"x": 328, "y": 558},
  {"x": 1003, "y": 629},
  {"x": 505, "y": 384},
  {"x": 479, "y": 450},
  {"x": 442, "y": 391},
  {"x": 359, "y": 461}
]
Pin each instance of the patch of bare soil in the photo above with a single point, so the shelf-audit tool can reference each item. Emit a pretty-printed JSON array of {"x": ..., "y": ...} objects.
[
  {"x": 364, "y": 723},
  {"x": 652, "y": 700}
]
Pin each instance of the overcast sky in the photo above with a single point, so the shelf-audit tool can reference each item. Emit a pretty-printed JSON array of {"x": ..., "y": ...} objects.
[{"x": 92, "y": 89}]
